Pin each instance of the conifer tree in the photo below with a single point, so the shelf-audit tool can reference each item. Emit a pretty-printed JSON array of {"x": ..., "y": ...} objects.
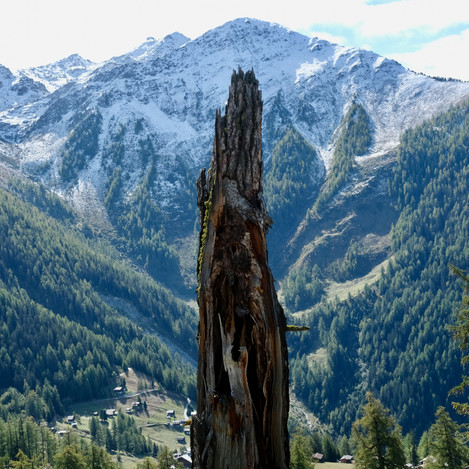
[
  {"x": 446, "y": 443},
  {"x": 378, "y": 438},
  {"x": 70, "y": 458},
  {"x": 423, "y": 449},
  {"x": 344, "y": 446},
  {"x": 461, "y": 335},
  {"x": 410, "y": 448},
  {"x": 22, "y": 462},
  {"x": 166, "y": 460},
  {"x": 97, "y": 458},
  {"x": 301, "y": 453}
]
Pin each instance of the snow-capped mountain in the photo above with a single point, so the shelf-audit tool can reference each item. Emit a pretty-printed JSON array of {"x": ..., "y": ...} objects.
[
  {"x": 17, "y": 91},
  {"x": 160, "y": 100},
  {"x": 124, "y": 142},
  {"x": 58, "y": 74},
  {"x": 312, "y": 80},
  {"x": 153, "y": 48}
]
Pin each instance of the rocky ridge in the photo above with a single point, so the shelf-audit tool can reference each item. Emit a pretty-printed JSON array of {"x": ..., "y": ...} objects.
[{"x": 166, "y": 93}]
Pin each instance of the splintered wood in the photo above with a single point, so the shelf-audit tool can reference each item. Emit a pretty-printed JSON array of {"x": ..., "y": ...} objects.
[{"x": 242, "y": 403}]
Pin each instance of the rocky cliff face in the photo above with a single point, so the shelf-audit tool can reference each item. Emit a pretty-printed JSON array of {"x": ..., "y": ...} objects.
[
  {"x": 149, "y": 114},
  {"x": 242, "y": 399}
]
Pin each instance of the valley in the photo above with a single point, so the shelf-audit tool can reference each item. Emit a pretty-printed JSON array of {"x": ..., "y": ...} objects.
[
  {"x": 150, "y": 416},
  {"x": 365, "y": 178}
]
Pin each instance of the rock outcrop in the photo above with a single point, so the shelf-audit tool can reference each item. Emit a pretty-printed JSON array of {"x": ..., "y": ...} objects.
[{"x": 242, "y": 401}]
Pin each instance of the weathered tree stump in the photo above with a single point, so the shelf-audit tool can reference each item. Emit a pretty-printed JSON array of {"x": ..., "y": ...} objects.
[{"x": 242, "y": 382}]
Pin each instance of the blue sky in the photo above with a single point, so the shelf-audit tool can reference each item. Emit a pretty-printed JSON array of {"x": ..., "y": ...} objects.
[{"x": 429, "y": 36}]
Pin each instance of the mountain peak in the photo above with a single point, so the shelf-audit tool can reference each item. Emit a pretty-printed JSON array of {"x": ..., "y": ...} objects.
[
  {"x": 177, "y": 37},
  {"x": 74, "y": 60},
  {"x": 56, "y": 74},
  {"x": 246, "y": 24},
  {"x": 5, "y": 73},
  {"x": 153, "y": 48}
]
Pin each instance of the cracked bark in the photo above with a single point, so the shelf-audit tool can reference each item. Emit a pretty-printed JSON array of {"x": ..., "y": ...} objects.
[{"x": 242, "y": 402}]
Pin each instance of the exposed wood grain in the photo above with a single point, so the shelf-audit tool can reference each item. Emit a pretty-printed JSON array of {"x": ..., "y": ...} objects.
[{"x": 242, "y": 384}]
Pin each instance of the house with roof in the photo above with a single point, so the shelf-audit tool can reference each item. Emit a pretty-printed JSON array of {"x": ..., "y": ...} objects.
[
  {"x": 119, "y": 390},
  {"x": 110, "y": 413},
  {"x": 318, "y": 457},
  {"x": 185, "y": 459}
]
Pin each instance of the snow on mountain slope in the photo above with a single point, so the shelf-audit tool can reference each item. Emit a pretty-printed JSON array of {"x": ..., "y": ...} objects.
[
  {"x": 167, "y": 91},
  {"x": 58, "y": 74},
  {"x": 17, "y": 91},
  {"x": 152, "y": 47}
]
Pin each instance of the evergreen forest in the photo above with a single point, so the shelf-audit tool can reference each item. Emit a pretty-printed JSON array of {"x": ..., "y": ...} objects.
[
  {"x": 392, "y": 338},
  {"x": 77, "y": 309},
  {"x": 61, "y": 340}
]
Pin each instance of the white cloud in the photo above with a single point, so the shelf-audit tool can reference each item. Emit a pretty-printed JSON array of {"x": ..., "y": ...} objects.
[
  {"x": 445, "y": 57},
  {"x": 385, "y": 19},
  {"x": 402, "y": 16}
]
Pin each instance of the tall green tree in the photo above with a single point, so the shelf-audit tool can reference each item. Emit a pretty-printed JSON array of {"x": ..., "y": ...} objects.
[
  {"x": 378, "y": 438},
  {"x": 446, "y": 443},
  {"x": 344, "y": 446},
  {"x": 22, "y": 462},
  {"x": 461, "y": 335},
  {"x": 329, "y": 448},
  {"x": 97, "y": 458},
  {"x": 166, "y": 460},
  {"x": 301, "y": 453},
  {"x": 410, "y": 448},
  {"x": 423, "y": 449},
  {"x": 70, "y": 458}
]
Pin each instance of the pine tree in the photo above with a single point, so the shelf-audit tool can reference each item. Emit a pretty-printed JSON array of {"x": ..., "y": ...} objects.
[
  {"x": 410, "y": 447},
  {"x": 329, "y": 448},
  {"x": 22, "y": 462},
  {"x": 344, "y": 446},
  {"x": 93, "y": 424},
  {"x": 461, "y": 335},
  {"x": 301, "y": 453},
  {"x": 378, "y": 438},
  {"x": 446, "y": 443},
  {"x": 70, "y": 458},
  {"x": 166, "y": 460}
]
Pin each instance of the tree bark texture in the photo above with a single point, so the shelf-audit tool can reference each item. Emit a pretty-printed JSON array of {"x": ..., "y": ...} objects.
[{"x": 242, "y": 382}]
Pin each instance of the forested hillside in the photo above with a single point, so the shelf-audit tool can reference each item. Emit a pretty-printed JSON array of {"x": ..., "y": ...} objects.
[
  {"x": 391, "y": 338},
  {"x": 60, "y": 338},
  {"x": 60, "y": 285},
  {"x": 364, "y": 229}
]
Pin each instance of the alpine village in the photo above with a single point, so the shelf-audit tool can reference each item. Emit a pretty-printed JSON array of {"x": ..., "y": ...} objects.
[{"x": 247, "y": 250}]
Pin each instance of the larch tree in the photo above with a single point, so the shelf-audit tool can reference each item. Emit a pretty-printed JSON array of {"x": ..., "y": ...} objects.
[
  {"x": 378, "y": 438},
  {"x": 446, "y": 443},
  {"x": 460, "y": 332}
]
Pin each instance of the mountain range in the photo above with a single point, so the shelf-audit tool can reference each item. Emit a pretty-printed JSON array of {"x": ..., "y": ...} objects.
[{"x": 123, "y": 142}]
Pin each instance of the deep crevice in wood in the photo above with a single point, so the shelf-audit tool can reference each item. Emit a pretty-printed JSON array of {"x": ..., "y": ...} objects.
[{"x": 242, "y": 402}]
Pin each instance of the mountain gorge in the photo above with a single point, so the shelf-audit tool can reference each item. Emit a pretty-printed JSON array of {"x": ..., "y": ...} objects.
[{"x": 366, "y": 191}]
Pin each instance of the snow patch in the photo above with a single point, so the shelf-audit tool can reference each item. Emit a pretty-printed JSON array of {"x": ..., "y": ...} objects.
[{"x": 308, "y": 69}]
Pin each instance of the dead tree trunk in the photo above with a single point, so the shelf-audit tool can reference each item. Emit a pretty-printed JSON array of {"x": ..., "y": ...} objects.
[{"x": 242, "y": 383}]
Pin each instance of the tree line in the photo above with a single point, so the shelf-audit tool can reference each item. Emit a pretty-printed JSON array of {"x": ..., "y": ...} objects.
[
  {"x": 60, "y": 340},
  {"x": 376, "y": 438},
  {"x": 384, "y": 339}
]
